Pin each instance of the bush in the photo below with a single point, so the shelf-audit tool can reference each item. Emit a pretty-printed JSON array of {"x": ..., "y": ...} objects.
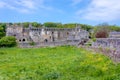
[
  {"x": 2, "y": 33},
  {"x": 32, "y": 43},
  {"x": 8, "y": 41},
  {"x": 88, "y": 44},
  {"x": 52, "y": 76},
  {"x": 94, "y": 39}
]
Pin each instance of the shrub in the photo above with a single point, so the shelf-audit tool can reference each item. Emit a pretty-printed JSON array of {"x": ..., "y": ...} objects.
[
  {"x": 2, "y": 33},
  {"x": 32, "y": 43},
  {"x": 52, "y": 76},
  {"x": 94, "y": 39},
  {"x": 8, "y": 41},
  {"x": 89, "y": 44}
]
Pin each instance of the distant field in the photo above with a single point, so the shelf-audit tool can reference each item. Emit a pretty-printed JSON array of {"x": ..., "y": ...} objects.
[{"x": 58, "y": 63}]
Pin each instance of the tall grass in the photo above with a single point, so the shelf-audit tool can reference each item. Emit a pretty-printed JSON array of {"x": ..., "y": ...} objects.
[{"x": 57, "y": 63}]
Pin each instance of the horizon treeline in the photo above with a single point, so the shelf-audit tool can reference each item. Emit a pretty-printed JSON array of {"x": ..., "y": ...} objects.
[{"x": 60, "y": 25}]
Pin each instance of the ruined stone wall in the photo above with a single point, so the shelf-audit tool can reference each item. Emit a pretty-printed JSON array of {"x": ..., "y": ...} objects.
[
  {"x": 49, "y": 34},
  {"x": 46, "y": 35},
  {"x": 14, "y": 31},
  {"x": 114, "y": 35},
  {"x": 44, "y": 44},
  {"x": 107, "y": 42}
]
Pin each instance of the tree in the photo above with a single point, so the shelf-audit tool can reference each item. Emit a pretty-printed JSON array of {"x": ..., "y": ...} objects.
[
  {"x": 8, "y": 41},
  {"x": 101, "y": 32},
  {"x": 35, "y": 24},
  {"x": 2, "y": 33},
  {"x": 114, "y": 28},
  {"x": 59, "y": 25},
  {"x": 70, "y": 25},
  {"x": 50, "y": 24},
  {"x": 82, "y": 26},
  {"x": 26, "y": 24},
  {"x": 86, "y": 27},
  {"x": 3, "y": 25}
]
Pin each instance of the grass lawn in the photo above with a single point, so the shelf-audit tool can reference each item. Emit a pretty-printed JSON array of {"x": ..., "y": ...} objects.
[{"x": 57, "y": 63}]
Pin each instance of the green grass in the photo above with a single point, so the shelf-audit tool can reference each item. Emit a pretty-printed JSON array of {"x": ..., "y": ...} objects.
[{"x": 57, "y": 63}]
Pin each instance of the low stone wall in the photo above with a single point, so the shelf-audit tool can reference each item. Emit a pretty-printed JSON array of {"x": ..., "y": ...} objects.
[
  {"x": 107, "y": 42},
  {"x": 45, "y": 44}
]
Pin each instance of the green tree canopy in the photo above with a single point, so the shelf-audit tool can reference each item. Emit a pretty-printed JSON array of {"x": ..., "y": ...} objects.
[
  {"x": 50, "y": 24},
  {"x": 2, "y": 33},
  {"x": 114, "y": 28},
  {"x": 86, "y": 27},
  {"x": 26, "y": 24},
  {"x": 3, "y": 25},
  {"x": 70, "y": 25},
  {"x": 35, "y": 24}
]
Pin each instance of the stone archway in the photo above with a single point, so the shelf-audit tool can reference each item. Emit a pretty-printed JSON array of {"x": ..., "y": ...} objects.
[
  {"x": 45, "y": 40},
  {"x": 23, "y": 40}
]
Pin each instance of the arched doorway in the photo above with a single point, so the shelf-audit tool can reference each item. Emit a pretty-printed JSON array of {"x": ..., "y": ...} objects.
[
  {"x": 45, "y": 40},
  {"x": 23, "y": 40}
]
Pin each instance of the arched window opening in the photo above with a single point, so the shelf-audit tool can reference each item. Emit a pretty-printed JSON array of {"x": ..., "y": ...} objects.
[
  {"x": 45, "y": 40},
  {"x": 23, "y": 40}
]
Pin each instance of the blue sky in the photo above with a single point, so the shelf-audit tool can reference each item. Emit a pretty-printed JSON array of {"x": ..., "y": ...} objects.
[{"x": 91, "y": 12}]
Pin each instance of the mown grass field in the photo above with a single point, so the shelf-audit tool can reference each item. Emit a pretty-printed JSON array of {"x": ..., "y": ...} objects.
[{"x": 57, "y": 63}]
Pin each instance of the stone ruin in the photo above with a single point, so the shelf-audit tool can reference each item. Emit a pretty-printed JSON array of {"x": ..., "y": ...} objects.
[
  {"x": 108, "y": 46},
  {"x": 46, "y": 36},
  {"x": 107, "y": 42},
  {"x": 113, "y": 41},
  {"x": 114, "y": 34}
]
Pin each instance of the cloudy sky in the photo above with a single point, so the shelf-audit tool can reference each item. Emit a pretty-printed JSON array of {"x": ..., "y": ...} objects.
[{"x": 65, "y": 11}]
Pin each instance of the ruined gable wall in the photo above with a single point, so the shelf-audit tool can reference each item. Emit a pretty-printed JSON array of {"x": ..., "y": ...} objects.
[{"x": 14, "y": 30}]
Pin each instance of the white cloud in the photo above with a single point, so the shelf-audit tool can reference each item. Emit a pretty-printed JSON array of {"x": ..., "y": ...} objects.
[
  {"x": 24, "y": 6},
  {"x": 27, "y": 6},
  {"x": 30, "y": 4},
  {"x": 101, "y": 10},
  {"x": 75, "y": 2}
]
